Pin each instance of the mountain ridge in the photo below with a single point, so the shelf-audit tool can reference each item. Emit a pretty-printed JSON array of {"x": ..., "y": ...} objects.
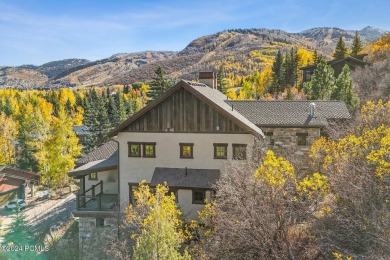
[{"x": 235, "y": 47}]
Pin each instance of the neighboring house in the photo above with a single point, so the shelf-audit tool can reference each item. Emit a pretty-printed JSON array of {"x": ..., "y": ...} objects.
[
  {"x": 184, "y": 138},
  {"x": 14, "y": 181},
  {"x": 81, "y": 133},
  {"x": 337, "y": 65}
]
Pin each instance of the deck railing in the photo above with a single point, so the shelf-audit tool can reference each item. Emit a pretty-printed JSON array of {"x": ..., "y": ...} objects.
[{"x": 97, "y": 200}]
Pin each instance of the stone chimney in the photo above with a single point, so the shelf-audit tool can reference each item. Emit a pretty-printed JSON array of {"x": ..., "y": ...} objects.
[
  {"x": 208, "y": 78},
  {"x": 312, "y": 109}
]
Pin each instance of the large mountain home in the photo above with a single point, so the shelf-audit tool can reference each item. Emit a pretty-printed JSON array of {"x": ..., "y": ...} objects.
[
  {"x": 184, "y": 137},
  {"x": 337, "y": 65}
]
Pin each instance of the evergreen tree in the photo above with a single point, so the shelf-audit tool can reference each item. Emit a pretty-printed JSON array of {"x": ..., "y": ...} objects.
[
  {"x": 112, "y": 111},
  {"x": 160, "y": 83},
  {"x": 322, "y": 82},
  {"x": 316, "y": 57},
  {"x": 120, "y": 103},
  {"x": 357, "y": 45},
  {"x": 345, "y": 90},
  {"x": 277, "y": 72},
  {"x": 7, "y": 108},
  {"x": 221, "y": 83},
  {"x": 341, "y": 50},
  {"x": 96, "y": 119},
  {"x": 19, "y": 234},
  {"x": 290, "y": 70}
]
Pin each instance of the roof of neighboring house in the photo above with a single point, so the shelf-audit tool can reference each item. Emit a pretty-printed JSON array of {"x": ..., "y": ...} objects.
[
  {"x": 185, "y": 177},
  {"x": 100, "y": 153},
  {"x": 80, "y": 129},
  {"x": 210, "y": 96},
  {"x": 109, "y": 163},
  {"x": 11, "y": 178},
  {"x": 290, "y": 113},
  {"x": 335, "y": 61},
  {"x": 17, "y": 173}
]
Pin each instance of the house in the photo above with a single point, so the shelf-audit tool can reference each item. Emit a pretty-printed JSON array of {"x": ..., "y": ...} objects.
[
  {"x": 16, "y": 182},
  {"x": 184, "y": 137},
  {"x": 81, "y": 133},
  {"x": 337, "y": 65}
]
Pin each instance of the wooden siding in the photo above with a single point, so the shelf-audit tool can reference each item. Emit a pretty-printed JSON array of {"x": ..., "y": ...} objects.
[{"x": 185, "y": 113}]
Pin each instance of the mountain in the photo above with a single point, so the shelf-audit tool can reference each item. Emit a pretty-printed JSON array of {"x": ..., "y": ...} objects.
[{"x": 242, "y": 51}]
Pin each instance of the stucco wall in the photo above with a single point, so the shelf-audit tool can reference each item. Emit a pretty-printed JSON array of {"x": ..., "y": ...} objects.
[
  {"x": 190, "y": 210},
  {"x": 135, "y": 169},
  {"x": 110, "y": 182}
]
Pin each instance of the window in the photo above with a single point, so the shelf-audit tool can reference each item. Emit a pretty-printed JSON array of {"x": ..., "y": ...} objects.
[
  {"x": 134, "y": 149},
  {"x": 93, "y": 176},
  {"x": 239, "y": 151},
  {"x": 269, "y": 137},
  {"x": 149, "y": 150},
  {"x": 302, "y": 139},
  {"x": 220, "y": 151},
  {"x": 186, "y": 150},
  {"x": 100, "y": 222},
  {"x": 198, "y": 197}
]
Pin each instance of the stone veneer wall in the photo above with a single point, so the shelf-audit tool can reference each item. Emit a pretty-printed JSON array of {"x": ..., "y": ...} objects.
[
  {"x": 287, "y": 138},
  {"x": 92, "y": 239}
]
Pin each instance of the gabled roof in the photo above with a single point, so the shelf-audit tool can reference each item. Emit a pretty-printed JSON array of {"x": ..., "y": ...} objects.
[
  {"x": 212, "y": 97},
  {"x": 335, "y": 61},
  {"x": 185, "y": 177},
  {"x": 290, "y": 113},
  {"x": 102, "y": 152}
]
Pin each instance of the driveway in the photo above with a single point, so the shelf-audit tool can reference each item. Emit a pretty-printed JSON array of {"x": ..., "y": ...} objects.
[{"x": 44, "y": 216}]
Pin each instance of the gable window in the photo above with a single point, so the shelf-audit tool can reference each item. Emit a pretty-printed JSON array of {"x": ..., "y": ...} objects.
[
  {"x": 93, "y": 176},
  {"x": 302, "y": 139},
  {"x": 220, "y": 151},
  {"x": 187, "y": 150},
  {"x": 239, "y": 151},
  {"x": 149, "y": 150},
  {"x": 134, "y": 149},
  {"x": 198, "y": 196}
]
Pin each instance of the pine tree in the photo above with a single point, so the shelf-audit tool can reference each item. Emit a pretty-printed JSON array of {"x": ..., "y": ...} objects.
[
  {"x": 277, "y": 72},
  {"x": 160, "y": 83},
  {"x": 113, "y": 111},
  {"x": 357, "y": 45},
  {"x": 341, "y": 50},
  {"x": 345, "y": 90},
  {"x": 19, "y": 234},
  {"x": 96, "y": 119},
  {"x": 316, "y": 58},
  {"x": 221, "y": 83},
  {"x": 322, "y": 82},
  {"x": 121, "y": 106}
]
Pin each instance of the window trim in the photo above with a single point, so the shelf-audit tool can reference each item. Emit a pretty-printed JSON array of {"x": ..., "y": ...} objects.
[
  {"x": 306, "y": 135},
  {"x": 235, "y": 146},
  {"x": 224, "y": 145},
  {"x": 93, "y": 179},
  {"x": 191, "y": 145},
  {"x": 134, "y": 143},
  {"x": 144, "y": 144},
  {"x": 198, "y": 201}
]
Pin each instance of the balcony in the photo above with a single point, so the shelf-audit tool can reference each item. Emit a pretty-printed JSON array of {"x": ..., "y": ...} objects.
[{"x": 94, "y": 199}]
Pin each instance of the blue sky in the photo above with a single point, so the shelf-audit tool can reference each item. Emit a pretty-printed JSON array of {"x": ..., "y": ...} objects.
[{"x": 39, "y": 31}]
